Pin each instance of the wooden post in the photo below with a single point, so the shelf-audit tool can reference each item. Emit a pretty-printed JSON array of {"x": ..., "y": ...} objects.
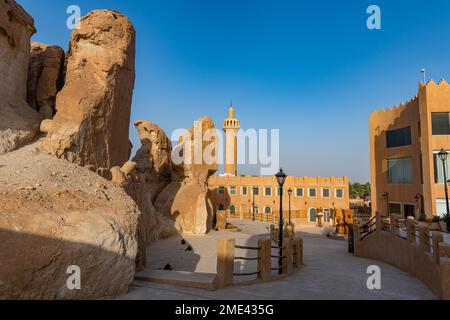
[
  {"x": 436, "y": 238},
  {"x": 394, "y": 224},
  {"x": 298, "y": 252},
  {"x": 265, "y": 259},
  {"x": 287, "y": 252},
  {"x": 411, "y": 231},
  {"x": 225, "y": 262},
  {"x": 379, "y": 221},
  {"x": 423, "y": 239}
]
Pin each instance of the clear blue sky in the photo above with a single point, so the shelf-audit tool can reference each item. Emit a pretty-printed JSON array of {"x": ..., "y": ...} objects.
[{"x": 310, "y": 68}]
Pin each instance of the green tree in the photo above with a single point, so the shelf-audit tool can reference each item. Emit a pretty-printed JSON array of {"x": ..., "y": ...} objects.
[{"x": 358, "y": 190}]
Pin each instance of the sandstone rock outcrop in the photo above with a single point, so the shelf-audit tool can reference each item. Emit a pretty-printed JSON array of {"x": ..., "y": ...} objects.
[
  {"x": 55, "y": 215},
  {"x": 19, "y": 124},
  {"x": 45, "y": 77},
  {"x": 185, "y": 198},
  {"x": 154, "y": 156},
  {"x": 91, "y": 125},
  {"x": 199, "y": 152}
]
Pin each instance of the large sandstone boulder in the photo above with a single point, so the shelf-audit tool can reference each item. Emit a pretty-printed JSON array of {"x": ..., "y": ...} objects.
[
  {"x": 185, "y": 198},
  {"x": 198, "y": 150},
  {"x": 153, "y": 225},
  {"x": 154, "y": 156},
  {"x": 55, "y": 215},
  {"x": 45, "y": 77},
  {"x": 188, "y": 205},
  {"x": 91, "y": 125},
  {"x": 19, "y": 124}
]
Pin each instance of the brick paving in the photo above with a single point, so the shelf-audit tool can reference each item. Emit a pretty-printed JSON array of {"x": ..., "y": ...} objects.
[{"x": 329, "y": 272}]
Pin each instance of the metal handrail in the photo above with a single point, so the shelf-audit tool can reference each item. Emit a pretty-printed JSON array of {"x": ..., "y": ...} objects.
[
  {"x": 245, "y": 258},
  {"x": 247, "y": 273},
  {"x": 248, "y": 248},
  {"x": 279, "y": 268},
  {"x": 367, "y": 234}
]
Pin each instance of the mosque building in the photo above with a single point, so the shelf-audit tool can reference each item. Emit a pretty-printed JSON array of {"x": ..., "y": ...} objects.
[{"x": 258, "y": 196}]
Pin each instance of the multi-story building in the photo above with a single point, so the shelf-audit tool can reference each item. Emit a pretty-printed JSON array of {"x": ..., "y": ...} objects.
[
  {"x": 406, "y": 172},
  {"x": 260, "y": 194}
]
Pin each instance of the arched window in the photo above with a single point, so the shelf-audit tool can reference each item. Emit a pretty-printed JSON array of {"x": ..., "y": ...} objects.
[
  {"x": 326, "y": 215},
  {"x": 220, "y": 207},
  {"x": 312, "y": 215},
  {"x": 256, "y": 210},
  {"x": 232, "y": 209},
  {"x": 267, "y": 210}
]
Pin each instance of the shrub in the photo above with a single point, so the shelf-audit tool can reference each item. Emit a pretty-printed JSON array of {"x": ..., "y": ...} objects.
[
  {"x": 422, "y": 217},
  {"x": 437, "y": 219}
]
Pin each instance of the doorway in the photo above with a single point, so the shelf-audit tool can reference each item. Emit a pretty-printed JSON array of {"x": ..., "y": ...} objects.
[{"x": 409, "y": 210}]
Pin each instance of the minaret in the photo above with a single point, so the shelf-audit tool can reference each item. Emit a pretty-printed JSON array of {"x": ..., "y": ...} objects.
[{"x": 231, "y": 126}]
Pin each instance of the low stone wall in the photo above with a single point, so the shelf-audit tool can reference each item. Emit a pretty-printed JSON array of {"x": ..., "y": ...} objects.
[
  {"x": 292, "y": 258},
  {"x": 409, "y": 247}
]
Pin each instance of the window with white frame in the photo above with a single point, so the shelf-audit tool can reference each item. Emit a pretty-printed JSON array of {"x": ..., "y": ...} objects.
[
  {"x": 339, "y": 193},
  {"x": 400, "y": 171},
  {"x": 268, "y": 191},
  {"x": 278, "y": 191},
  {"x": 439, "y": 168},
  {"x": 312, "y": 192},
  {"x": 233, "y": 190},
  {"x": 244, "y": 191},
  {"x": 299, "y": 192},
  {"x": 255, "y": 191},
  {"x": 325, "y": 192},
  {"x": 221, "y": 190}
]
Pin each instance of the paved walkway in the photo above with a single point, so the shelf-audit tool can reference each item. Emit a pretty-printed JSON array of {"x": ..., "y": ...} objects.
[{"x": 329, "y": 272}]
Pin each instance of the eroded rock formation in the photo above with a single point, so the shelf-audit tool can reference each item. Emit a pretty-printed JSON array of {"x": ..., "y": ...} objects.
[
  {"x": 45, "y": 77},
  {"x": 154, "y": 156},
  {"x": 55, "y": 215},
  {"x": 185, "y": 198},
  {"x": 91, "y": 126},
  {"x": 19, "y": 124}
]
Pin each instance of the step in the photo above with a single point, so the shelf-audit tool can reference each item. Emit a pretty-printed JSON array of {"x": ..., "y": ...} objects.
[{"x": 189, "y": 279}]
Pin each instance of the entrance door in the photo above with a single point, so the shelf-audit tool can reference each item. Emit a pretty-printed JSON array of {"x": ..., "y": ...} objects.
[
  {"x": 312, "y": 215},
  {"x": 326, "y": 215},
  {"x": 408, "y": 210}
]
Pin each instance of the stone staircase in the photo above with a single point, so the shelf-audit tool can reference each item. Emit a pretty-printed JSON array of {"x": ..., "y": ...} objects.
[{"x": 199, "y": 280}]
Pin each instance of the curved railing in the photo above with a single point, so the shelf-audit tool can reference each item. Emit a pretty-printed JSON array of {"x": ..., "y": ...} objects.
[{"x": 422, "y": 252}]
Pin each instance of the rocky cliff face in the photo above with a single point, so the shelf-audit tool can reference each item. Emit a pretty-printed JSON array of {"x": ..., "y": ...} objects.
[
  {"x": 19, "y": 124},
  {"x": 55, "y": 214},
  {"x": 91, "y": 125},
  {"x": 59, "y": 212},
  {"x": 45, "y": 77}
]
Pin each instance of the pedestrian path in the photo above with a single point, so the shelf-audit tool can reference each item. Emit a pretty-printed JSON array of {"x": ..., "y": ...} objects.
[{"x": 329, "y": 272}]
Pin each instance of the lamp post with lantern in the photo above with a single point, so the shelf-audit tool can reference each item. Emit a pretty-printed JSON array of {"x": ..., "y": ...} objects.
[
  {"x": 443, "y": 156},
  {"x": 281, "y": 178}
]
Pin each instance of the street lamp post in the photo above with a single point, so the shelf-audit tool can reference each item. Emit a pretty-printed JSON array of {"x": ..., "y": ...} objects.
[
  {"x": 281, "y": 178},
  {"x": 290, "y": 192},
  {"x": 443, "y": 156}
]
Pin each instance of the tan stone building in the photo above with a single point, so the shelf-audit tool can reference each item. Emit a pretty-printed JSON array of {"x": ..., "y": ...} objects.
[
  {"x": 239, "y": 193},
  {"x": 406, "y": 173}
]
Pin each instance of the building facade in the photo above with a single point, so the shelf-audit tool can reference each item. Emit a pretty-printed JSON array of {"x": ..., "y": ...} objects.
[
  {"x": 406, "y": 172},
  {"x": 245, "y": 195}
]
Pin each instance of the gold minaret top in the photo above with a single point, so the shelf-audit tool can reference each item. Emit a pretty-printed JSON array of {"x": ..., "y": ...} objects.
[{"x": 231, "y": 126}]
